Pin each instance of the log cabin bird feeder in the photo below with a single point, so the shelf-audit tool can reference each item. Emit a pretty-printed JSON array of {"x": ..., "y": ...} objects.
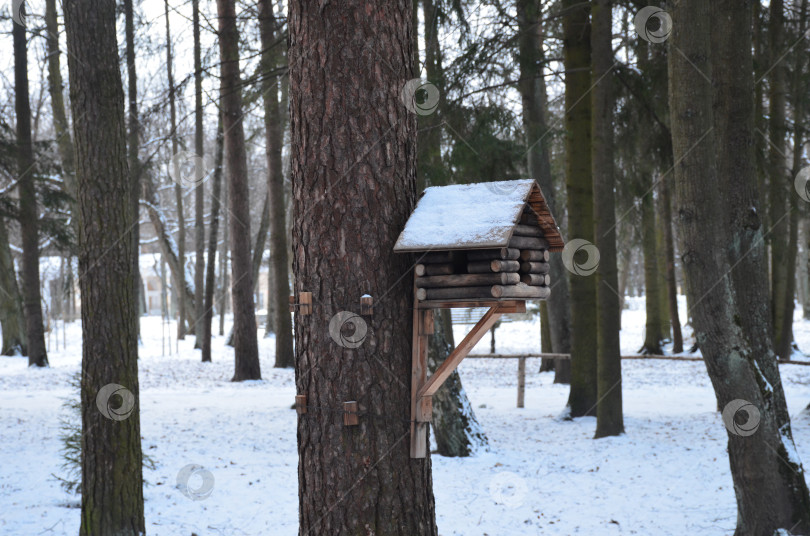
[{"x": 476, "y": 245}]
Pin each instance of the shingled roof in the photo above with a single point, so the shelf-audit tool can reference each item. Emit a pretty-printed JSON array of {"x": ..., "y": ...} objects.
[{"x": 475, "y": 216}]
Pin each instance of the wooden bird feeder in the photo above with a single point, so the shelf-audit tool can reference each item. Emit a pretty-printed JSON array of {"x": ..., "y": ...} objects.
[{"x": 476, "y": 245}]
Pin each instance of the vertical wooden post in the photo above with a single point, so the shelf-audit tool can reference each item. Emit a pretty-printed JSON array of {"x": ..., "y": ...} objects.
[
  {"x": 418, "y": 378},
  {"x": 521, "y": 381}
]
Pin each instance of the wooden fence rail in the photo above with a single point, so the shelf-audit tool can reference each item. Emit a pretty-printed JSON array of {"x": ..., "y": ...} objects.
[{"x": 522, "y": 364}]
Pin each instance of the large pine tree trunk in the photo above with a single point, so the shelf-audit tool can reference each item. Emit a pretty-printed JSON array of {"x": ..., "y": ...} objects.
[
  {"x": 29, "y": 216},
  {"x": 246, "y": 346},
  {"x": 609, "y": 418},
  {"x": 12, "y": 319},
  {"x": 199, "y": 190},
  {"x": 579, "y": 185},
  {"x": 210, "y": 269},
  {"x": 712, "y": 134},
  {"x": 274, "y": 127},
  {"x": 112, "y": 480},
  {"x": 532, "y": 89},
  {"x": 457, "y": 431},
  {"x": 354, "y": 171}
]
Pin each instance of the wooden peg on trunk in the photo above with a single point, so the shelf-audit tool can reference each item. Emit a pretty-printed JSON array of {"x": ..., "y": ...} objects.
[
  {"x": 366, "y": 305},
  {"x": 350, "y": 417}
]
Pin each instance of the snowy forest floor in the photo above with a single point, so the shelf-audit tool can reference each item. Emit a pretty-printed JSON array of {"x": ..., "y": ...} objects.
[{"x": 667, "y": 475}]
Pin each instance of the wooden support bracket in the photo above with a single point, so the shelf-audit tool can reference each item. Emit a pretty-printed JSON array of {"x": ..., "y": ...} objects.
[{"x": 423, "y": 389}]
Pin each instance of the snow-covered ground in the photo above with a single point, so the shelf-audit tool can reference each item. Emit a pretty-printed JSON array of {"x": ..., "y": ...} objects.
[{"x": 667, "y": 475}]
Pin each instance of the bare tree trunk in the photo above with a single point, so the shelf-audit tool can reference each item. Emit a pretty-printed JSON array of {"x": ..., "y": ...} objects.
[
  {"x": 246, "y": 346},
  {"x": 60, "y": 123},
  {"x": 111, "y": 457},
  {"x": 208, "y": 308},
  {"x": 199, "y": 190},
  {"x": 12, "y": 319},
  {"x": 652, "y": 300},
  {"x": 457, "y": 431},
  {"x": 224, "y": 279},
  {"x": 29, "y": 216},
  {"x": 609, "y": 417},
  {"x": 778, "y": 171},
  {"x": 579, "y": 185},
  {"x": 672, "y": 283},
  {"x": 712, "y": 134},
  {"x": 368, "y": 171},
  {"x": 133, "y": 143},
  {"x": 178, "y": 189},
  {"x": 274, "y": 128},
  {"x": 532, "y": 88}
]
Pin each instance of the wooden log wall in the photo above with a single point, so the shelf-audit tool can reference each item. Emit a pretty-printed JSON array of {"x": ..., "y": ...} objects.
[{"x": 519, "y": 271}]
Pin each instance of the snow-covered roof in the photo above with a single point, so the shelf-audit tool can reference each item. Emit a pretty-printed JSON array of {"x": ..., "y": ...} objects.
[{"x": 475, "y": 216}]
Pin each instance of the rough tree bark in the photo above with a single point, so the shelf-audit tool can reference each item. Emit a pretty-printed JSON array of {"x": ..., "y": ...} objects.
[
  {"x": 609, "y": 418},
  {"x": 199, "y": 190},
  {"x": 532, "y": 89},
  {"x": 713, "y": 138},
  {"x": 273, "y": 124},
  {"x": 579, "y": 185},
  {"x": 29, "y": 216},
  {"x": 354, "y": 185},
  {"x": 246, "y": 346},
  {"x": 112, "y": 480},
  {"x": 12, "y": 319},
  {"x": 210, "y": 269}
]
